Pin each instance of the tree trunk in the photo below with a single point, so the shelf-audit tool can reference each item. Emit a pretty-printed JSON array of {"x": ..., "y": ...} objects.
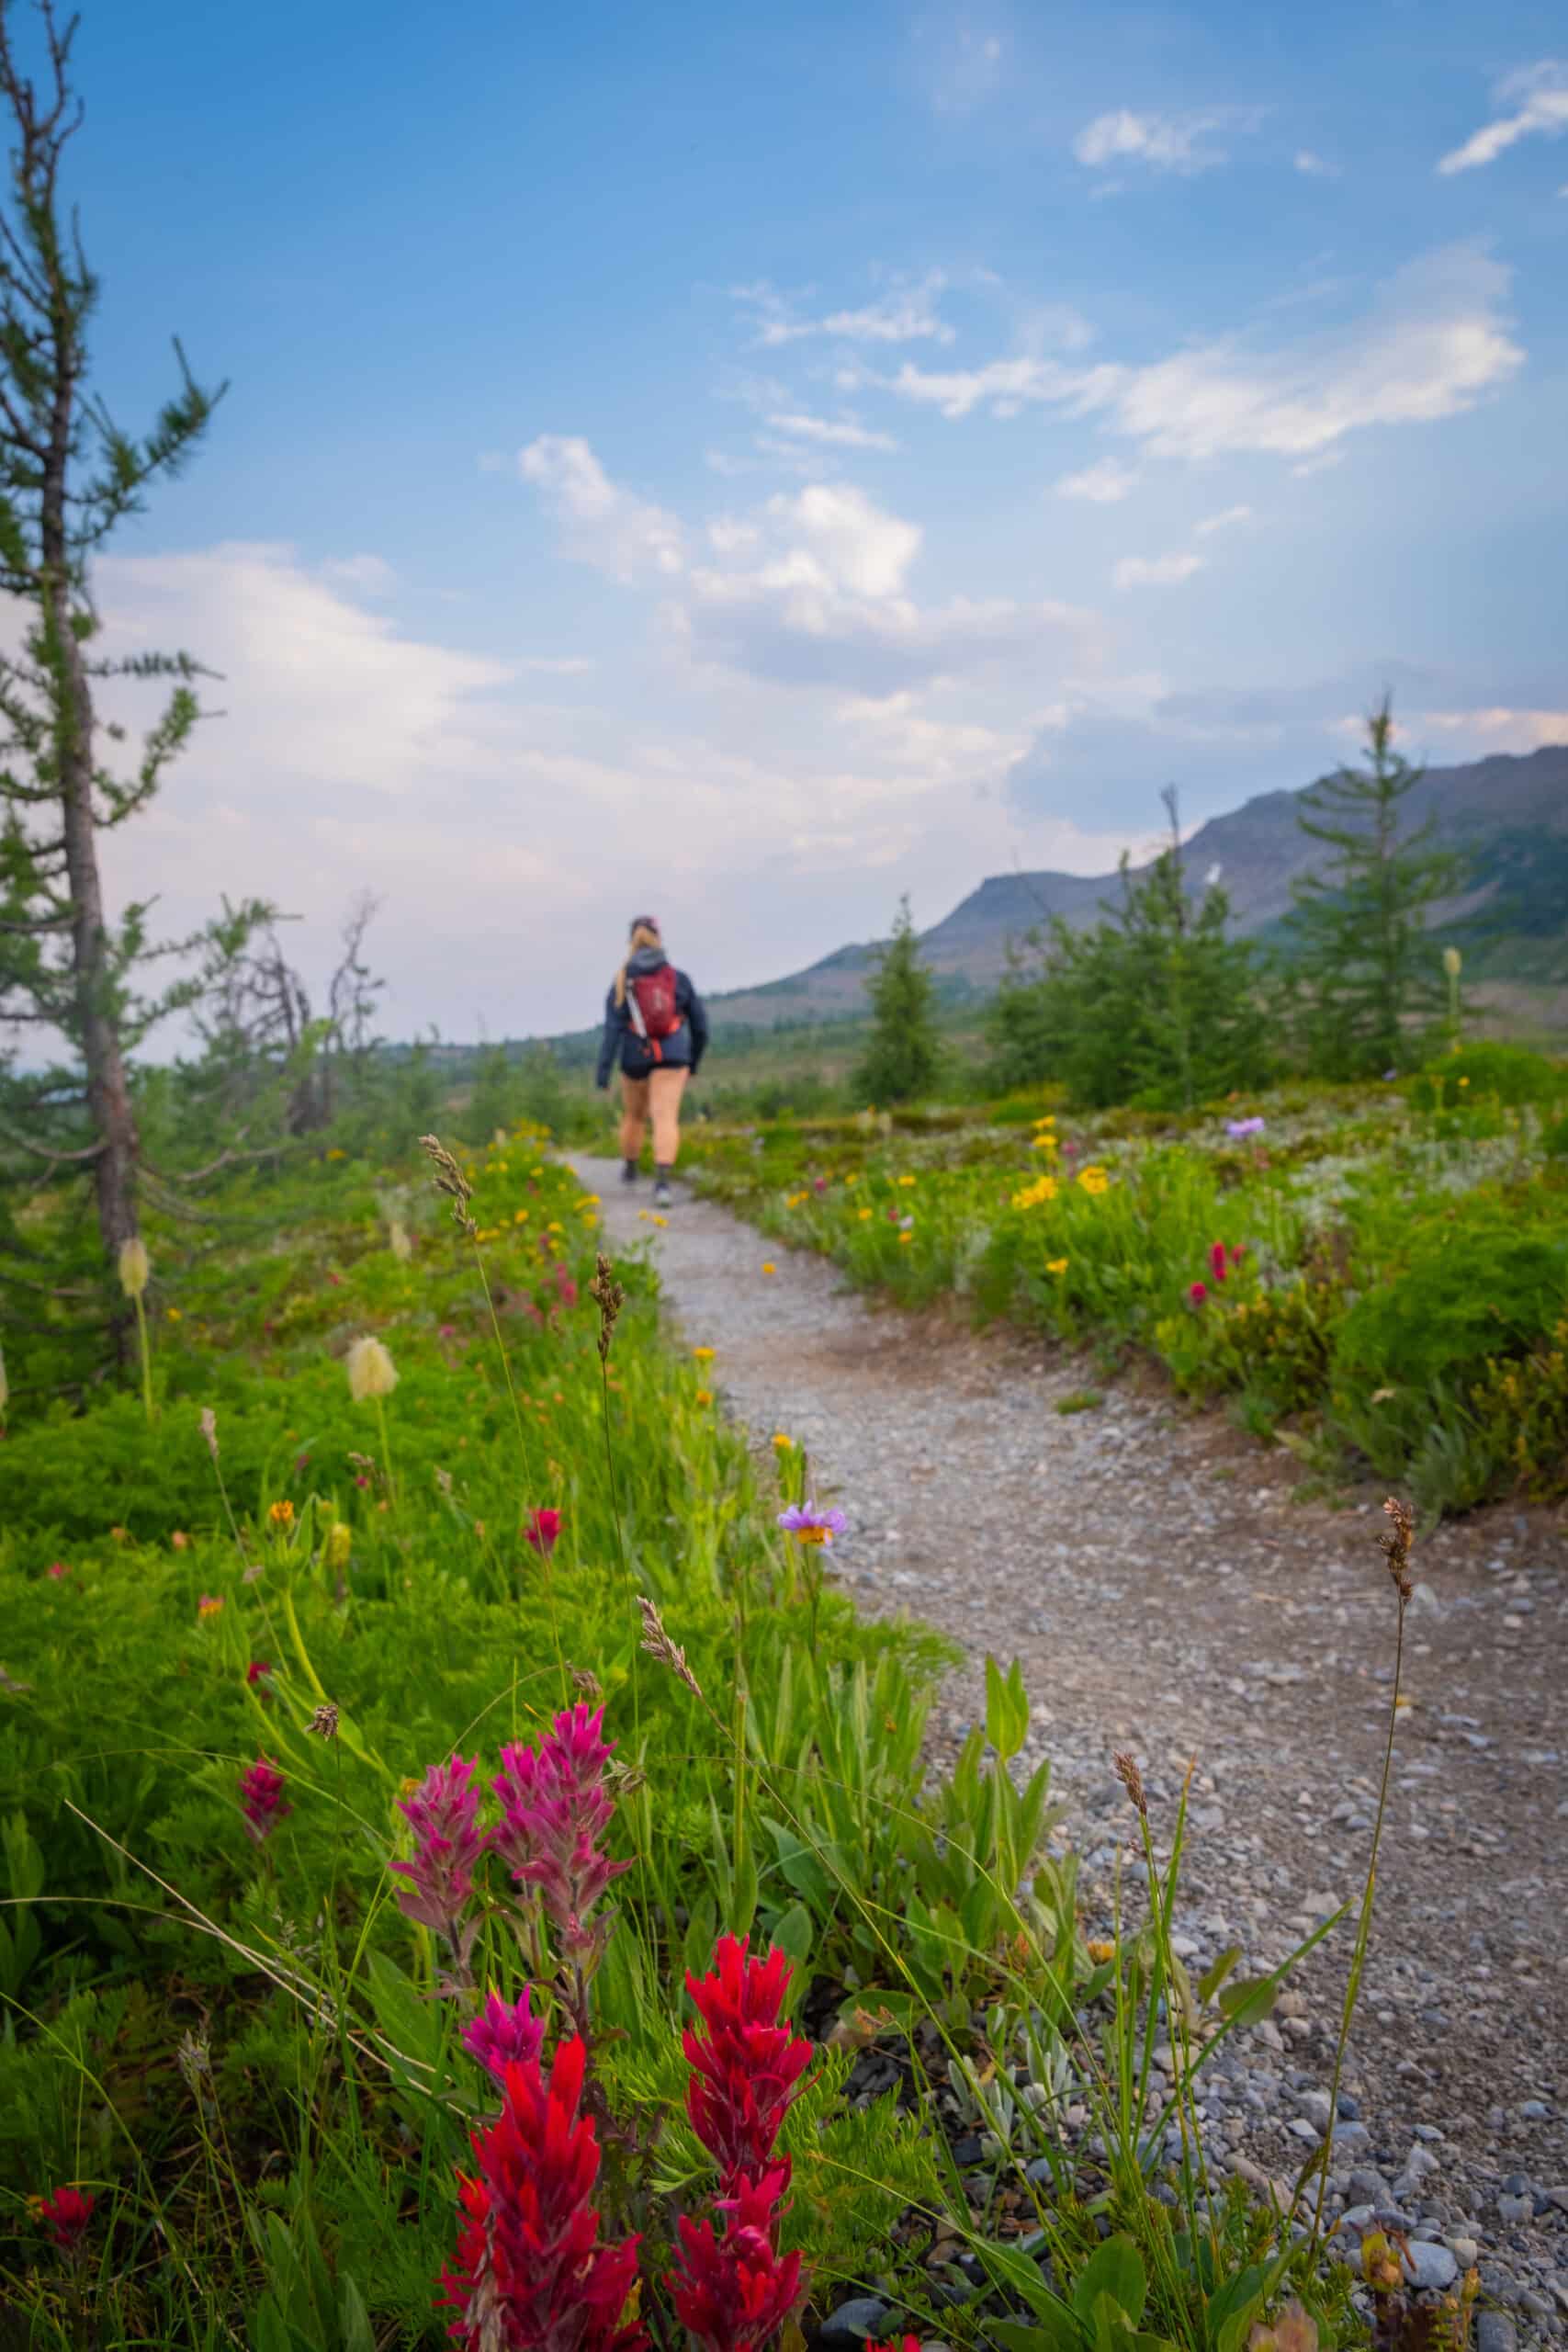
[{"x": 109, "y": 1095}]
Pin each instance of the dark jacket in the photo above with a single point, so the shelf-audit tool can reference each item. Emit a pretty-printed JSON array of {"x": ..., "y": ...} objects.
[{"x": 682, "y": 1050}]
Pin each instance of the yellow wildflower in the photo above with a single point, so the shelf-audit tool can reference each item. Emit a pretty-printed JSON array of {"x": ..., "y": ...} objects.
[
  {"x": 906, "y": 1181},
  {"x": 1046, "y": 1142},
  {"x": 905, "y": 1239},
  {"x": 521, "y": 1218},
  {"x": 208, "y": 1605},
  {"x": 1100, "y": 1951},
  {"x": 174, "y": 1314},
  {"x": 1094, "y": 1181},
  {"x": 281, "y": 1513},
  {"x": 1032, "y": 1195},
  {"x": 1055, "y": 1265},
  {"x": 768, "y": 1267},
  {"x": 863, "y": 1214},
  {"x": 784, "y": 1445},
  {"x": 704, "y": 1396},
  {"x": 702, "y": 1355}
]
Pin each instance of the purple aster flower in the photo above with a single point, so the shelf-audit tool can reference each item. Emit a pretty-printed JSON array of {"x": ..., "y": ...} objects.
[
  {"x": 810, "y": 1525},
  {"x": 505, "y": 2033},
  {"x": 443, "y": 1811},
  {"x": 555, "y": 1808},
  {"x": 1240, "y": 1127}
]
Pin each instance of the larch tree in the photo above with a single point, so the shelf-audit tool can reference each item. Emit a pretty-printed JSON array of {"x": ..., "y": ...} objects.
[{"x": 68, "y": 476}]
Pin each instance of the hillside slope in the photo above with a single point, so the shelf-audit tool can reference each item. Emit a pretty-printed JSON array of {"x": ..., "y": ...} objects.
[{"x": 1506, "y": 816}]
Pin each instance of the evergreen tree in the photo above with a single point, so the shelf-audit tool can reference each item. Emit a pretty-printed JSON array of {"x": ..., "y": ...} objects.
[
  {"x": 904, "y": 1053},
  {"x": 68, "y": 475},
  {"x": 1358, "y": 923},
  {"x": 1156, "y": 1004}
]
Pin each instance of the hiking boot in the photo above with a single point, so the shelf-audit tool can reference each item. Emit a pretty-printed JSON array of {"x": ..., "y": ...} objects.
[
  {"x": 629, "y": 1172},
  {"x": 662, "y": 1195}
]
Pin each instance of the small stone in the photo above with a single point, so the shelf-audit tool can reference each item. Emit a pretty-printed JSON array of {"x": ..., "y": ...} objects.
[
  {"x": 1315, "y": 2108},
  {"x": 1494, "y": 2332},
  {"x": 1465, "y": 2252},
  {"x": 856, "y": 2321},
  {"x": 1349, "y": 2107},
  {"x": 1535, "y": 2110},
  {"x": 1430, "y": 2267},
  {"x": 1516, "y": 2210}
]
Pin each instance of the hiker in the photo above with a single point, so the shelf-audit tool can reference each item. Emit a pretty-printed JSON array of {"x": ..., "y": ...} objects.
[{"x": 654, "y": 1019}]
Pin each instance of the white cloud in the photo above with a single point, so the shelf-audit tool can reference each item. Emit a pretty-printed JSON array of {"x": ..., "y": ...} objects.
[
  {"x": 861, "y": 548},
  {"x": 601, "y": 524},
  {"x": 371, "y": 574},
  {"x": 556, "y": 665},
  {"x": 1222, "y": 521},
  {"x": 1005, "y": 387},
  {"x": 905, "y": 313},
  {"x": 962, "y": 63},
  {"x": 1484, "y": 731},
  {"x": 1539, "y": 97},
  {"x": 836, "y": 432},
  {"x": 1314, "y": 166},
  {"x": 1165, "y": 142},
  {"x": 1434, "y": 342},
  {"x": 1154, "y": 571},
  {"x": 1103, "y": 484}
]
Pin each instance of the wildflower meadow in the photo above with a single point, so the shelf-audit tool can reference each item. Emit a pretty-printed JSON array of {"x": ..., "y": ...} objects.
[
  {"x": 1375, "y": 1276},
  {"x": 467, "y": 1867}
]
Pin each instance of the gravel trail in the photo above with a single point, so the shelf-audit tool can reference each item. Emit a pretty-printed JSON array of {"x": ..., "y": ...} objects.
[{"x": 1164, "y": 1592}]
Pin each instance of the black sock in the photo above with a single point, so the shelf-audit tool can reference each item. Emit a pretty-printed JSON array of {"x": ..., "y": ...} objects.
[
  {"x": 665, "y": 1170},
  {"x": 630, "y": 1169}
]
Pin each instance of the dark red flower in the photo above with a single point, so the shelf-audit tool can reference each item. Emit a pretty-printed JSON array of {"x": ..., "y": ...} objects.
[
  {"x": 530, "y": 2274},
  {"x": 1219, "y": 1260},
  {"x": 257, "y": 1668},
  {"x": 905, "y": 2343},
  {"x": 735, "y": 2292},
  {"x": 65, "y": 2215},
  {"x": 542, "y": 1530},
  {"x": 746, "y": 2069},
  {"x": 1198, "y": 1292},
  {"x": 1238, "y": 1251}
]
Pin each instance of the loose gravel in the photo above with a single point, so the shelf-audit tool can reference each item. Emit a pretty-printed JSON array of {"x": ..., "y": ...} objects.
[{"x": 1166, "y": 1591}]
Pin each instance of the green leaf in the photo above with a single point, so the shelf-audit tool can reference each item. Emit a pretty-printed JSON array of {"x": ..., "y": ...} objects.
[
  {"x": 1016, "y": 2335},
  {"x": 1214, "y": 1977},
  {"x": 1006, "y": 1709},
  {"x": 1250, "y": 2001},
  {"x": 1114, "y": 2269}
]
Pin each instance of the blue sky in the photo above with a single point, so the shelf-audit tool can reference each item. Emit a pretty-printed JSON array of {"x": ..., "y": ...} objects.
[{"x": 751, "y": 462}]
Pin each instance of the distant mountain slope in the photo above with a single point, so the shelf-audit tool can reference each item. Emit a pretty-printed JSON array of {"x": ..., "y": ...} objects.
[{"x": 1508, "y": 817}]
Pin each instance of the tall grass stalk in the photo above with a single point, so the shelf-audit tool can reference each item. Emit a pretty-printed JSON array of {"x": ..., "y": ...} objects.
[{"x": 1395, "y": 1548}]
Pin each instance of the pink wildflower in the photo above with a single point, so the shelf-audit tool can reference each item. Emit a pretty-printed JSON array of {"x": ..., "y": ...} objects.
[
  {"x": 444, "y": 1814},
  {"x": 530, "y": 2272},
  {"x": 1238, "y": 1251},
  {"x": 58, "y": 1568},
  {"x": 1219, "y": 1260},
  {"x": 542, "y": 1530},
  {"x": 65, "y": 2214},
  {"x": 1198, "y": 1292},
  {"x": 555, "y": 1809},
  {"x": 261, "y": 1799},
  {"x": 745, "y": 2067},
  {"x": 504, "y": 2034},
  {"x": 735, "y": 2292}
]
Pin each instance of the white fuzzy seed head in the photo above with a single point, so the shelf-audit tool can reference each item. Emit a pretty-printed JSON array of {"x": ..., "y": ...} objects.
[
  {"x": 371, "y": 1372},
  {"x": 134, "y": 1268}
]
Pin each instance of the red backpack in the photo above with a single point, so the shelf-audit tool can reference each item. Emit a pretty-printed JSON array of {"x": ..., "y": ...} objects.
[{"x": 653, "y": 998}]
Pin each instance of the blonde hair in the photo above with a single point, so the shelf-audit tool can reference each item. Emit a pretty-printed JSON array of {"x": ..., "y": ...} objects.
[{"x": 644, "y": 934}]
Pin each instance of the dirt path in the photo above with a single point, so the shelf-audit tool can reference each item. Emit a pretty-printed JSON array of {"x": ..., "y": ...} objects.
[{"x": 1164, "y": 1591}]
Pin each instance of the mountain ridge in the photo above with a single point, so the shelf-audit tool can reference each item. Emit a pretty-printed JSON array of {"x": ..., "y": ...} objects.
[{"x": 1506, "y": 815}]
